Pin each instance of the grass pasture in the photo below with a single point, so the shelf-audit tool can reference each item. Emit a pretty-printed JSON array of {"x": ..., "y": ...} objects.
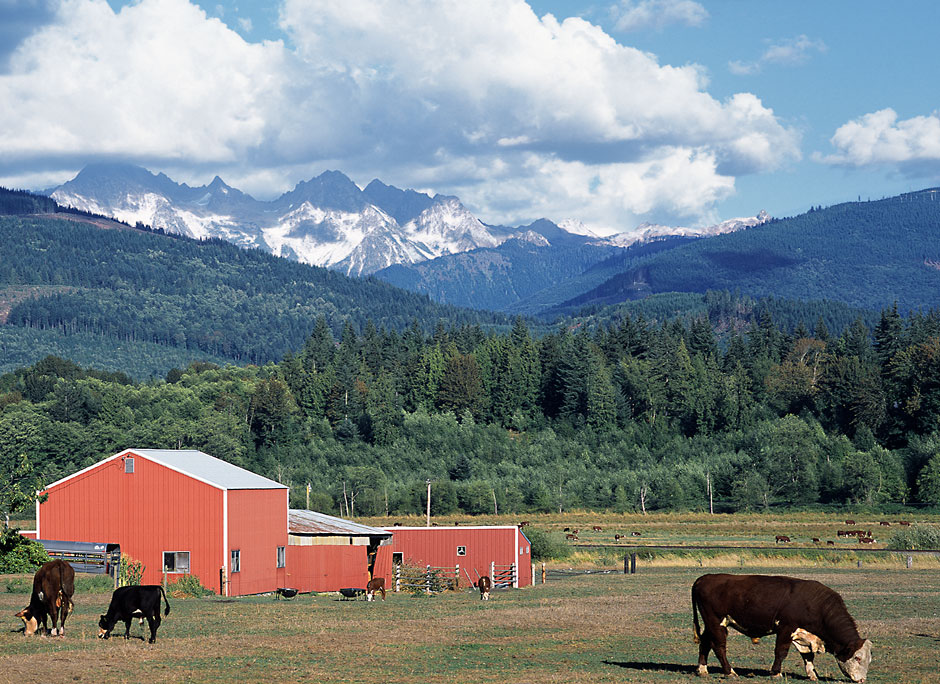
[{"x": 589, "y": 628}]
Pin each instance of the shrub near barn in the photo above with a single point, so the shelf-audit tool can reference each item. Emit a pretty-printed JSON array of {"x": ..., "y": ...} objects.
[{"x": 19, "y": 554}]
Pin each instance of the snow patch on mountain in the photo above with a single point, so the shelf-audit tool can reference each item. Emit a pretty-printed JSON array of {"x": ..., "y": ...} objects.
[{"x": 650, "y": 231}]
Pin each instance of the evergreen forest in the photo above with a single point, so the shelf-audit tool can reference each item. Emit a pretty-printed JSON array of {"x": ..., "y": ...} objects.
[{"x": 631, "y": 415}]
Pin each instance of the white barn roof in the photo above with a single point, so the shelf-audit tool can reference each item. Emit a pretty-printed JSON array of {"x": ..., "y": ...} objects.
[{"x": 195, "y": 464}]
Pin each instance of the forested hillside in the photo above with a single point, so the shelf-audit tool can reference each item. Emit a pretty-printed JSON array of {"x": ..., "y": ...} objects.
[
  {"x": 200, "y": 298},
  {"x": 865, "y": 254},
  {"x": 630, "y": 416}
]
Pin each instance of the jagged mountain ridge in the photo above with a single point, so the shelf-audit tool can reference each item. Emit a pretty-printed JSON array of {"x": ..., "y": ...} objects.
[{"x": 326, "y": 221}]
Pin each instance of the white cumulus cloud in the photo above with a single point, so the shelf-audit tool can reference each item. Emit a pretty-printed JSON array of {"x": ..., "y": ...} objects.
[
  {"x": 521, "y": 116},
  {"x": 879, "y": 138}
]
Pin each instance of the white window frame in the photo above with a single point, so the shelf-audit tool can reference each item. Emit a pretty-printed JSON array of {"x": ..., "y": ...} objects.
[
  {"x": 176, "y": 562},
  {"x": 398, "y": 557},
  {"x": 128, "y": 465},
  {"x": 281, "y": 561},
  {"x": 236, "y": 556}
]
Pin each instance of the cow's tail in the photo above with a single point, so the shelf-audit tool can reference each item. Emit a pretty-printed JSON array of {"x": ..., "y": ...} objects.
[
  {"x": 167, "y": 611},
  {"x": 696, "y": 629}
]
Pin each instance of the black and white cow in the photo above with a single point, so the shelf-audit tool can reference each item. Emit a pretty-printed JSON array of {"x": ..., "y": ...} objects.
[{"x": 137, "y": 601}]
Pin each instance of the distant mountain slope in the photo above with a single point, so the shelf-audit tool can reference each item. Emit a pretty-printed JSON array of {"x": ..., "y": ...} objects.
[
  {"x": 326, "y": 221},
  {"x": 211, "y": 297},
  {"x": 865, "y": 254},
  {"x": 497, "y": 278}
]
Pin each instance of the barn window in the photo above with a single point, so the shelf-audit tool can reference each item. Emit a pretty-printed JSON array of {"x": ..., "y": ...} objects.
[
  {"x": 461, "y": 550},
  {"x": 129, "y": 464},
  {"x": 281, "y": 556},
  {"x": 176, "y": 561},
  {"x": 236, "y": 560},
  {"x": 398, "y": 557}
]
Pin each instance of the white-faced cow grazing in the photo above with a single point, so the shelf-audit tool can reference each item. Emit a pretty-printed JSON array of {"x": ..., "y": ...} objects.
[
  {"x": 53, "y": 586},
  {"x": 804, "y": 612},
  {"x": 376, "y": 584},
  {"x": 484, "y": 585},
  {"x": 132, "y": 602}
]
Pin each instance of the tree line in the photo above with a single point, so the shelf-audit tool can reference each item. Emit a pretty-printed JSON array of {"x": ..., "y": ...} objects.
[{"x": 631, "y": 415}]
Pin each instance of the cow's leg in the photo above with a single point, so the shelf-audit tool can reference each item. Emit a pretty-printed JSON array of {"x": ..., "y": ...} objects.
[
  {"x": 153, "y": 622},
  {"x": 704, "y": 646},
  {"x": 720, "y": 647},
  {"x": 808, "y": 664},
  {"x": 781, "y": 648},
  {"x": 127, "y": 628}
]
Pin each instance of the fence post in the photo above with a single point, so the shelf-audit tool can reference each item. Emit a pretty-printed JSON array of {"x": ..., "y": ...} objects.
[
  {"x": 457, "y": 577},
  {"x": 910, "y": 561},
  {"x": 397, "y": 578},
  {"x": 514, "y": 569},
  {"x": 493, "y": 573},
  {"x": 632, "y": 563},
  {"x": 626, "y": 567},
  {"x": 428, "y": 579},
  {"x": 543, "y": 573},
  {"x": 533, "y": 573}
]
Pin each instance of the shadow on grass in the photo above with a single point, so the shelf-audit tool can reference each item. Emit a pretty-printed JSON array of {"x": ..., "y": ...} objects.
[{"x": 693, "y": 669}]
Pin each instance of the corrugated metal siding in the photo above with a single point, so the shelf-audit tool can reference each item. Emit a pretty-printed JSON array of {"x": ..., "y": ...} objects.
[
  {"x": 257, "y": 524},
  {"x": 437, "y": 546},
  {"x": 327, "y": 568},
  {"x": 152, "y": 510}
]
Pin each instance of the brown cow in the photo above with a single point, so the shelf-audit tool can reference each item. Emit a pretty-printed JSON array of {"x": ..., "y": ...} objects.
[
  {"x": 376, "y": 584},
  {"x": 53, "y": 586},
  {"x": 484, "y": 585},
  {"x": 597, "y": 528},
  {"x": 906, "y": 523},
  {"x": 635, "y": 534},
  {"x": 760, "y": 605},
  {"x": 571, "y": 537},
  {"x": 849, "y": 522},
  {"x": 782, "y": 538}
]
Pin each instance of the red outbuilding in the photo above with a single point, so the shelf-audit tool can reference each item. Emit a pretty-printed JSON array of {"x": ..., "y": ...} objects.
[
  {"x": 178, "y": 512},
  {"x": 326, "y": 553},
  {"x": 477, "y": 550}
]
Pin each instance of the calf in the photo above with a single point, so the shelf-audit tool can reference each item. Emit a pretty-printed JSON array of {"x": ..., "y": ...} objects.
[
  {"x": 376, "y": 584},
  {"x": 53, "y": 586},
  {"x": 790, "y": 608},
  {"x": 484, "y": 585},
  {"x": 130, "y": 602}
]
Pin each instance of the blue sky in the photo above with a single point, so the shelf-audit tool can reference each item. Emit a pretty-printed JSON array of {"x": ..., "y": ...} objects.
[{"x": 612, "y": 113}]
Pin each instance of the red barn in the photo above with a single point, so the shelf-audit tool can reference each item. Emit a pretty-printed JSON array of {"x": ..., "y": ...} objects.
[
  {"x": 476, "y": 549},
  {"x": 182, "y": 512}
]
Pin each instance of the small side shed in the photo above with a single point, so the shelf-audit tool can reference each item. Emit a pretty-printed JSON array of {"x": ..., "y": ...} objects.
[
  {"x": 476, "y": 549},
  {"x": 326, "y": 553}
]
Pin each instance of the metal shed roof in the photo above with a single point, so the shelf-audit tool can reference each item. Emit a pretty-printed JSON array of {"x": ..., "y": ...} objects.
[{"x": 301, "y": 521}]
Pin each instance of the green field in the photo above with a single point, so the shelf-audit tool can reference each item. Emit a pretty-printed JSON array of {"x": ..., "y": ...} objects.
[{"x": 590, "y": 628}]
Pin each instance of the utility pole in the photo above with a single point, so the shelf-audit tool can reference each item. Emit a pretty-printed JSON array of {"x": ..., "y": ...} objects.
[
  {"x": 711, "y": 503},
  {"x": 308, "y": 496},
  {"x": 429, "y": 502}
]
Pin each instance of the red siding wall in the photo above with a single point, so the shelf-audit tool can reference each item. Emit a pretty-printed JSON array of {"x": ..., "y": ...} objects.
[
  {"x": 152, "y": 510},
  {"x": 327, "y": 568},
  {"x": 157, "y": 509},
  {"x": 257, "y": 525},
  {"x": 437, "y": 546}
]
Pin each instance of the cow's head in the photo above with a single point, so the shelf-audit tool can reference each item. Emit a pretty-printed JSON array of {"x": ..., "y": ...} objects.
[
  {"x": 104, "y": 629},
  {"x": 31, "y": 624},
  {"x": 856, "y": 667}
]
